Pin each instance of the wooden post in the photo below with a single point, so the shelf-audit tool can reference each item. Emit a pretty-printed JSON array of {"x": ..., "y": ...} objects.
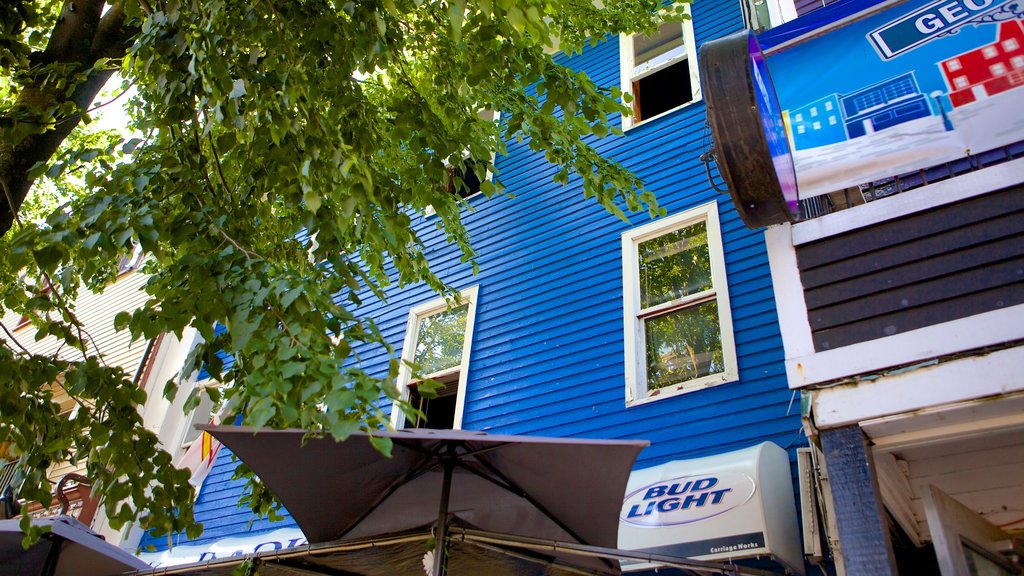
[{"x": 860, "y": 517}]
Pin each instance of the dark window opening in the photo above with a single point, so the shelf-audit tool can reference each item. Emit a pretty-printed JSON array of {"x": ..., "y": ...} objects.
[
  {"x": 470, "y": 181},
  {"x": 662, "y": 91},
  {"x": 438, "y": 412}
]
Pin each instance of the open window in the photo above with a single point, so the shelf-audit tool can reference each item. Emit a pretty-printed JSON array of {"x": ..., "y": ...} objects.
[
  {"x": 437, "y": 342},
  {"x": 659, "y": 71},
  {"x": 464, "y": 180},
  {"x": 678, "y": 323}
]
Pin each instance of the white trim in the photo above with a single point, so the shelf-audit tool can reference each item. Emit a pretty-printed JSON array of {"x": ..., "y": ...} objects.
[
  {"x": 940, "y": 424},
  {"x": 781, "y": 11},
  {"x": 633, "y": 326},
  {"x": 789, "y": 292},
  {"x": 946, "y": 192},
  {"x": 628, "y": 69},
  {"x": 467, "y": 296},
  {"x": 965, "y": 379},
  {"x": 987, "y": 329}
]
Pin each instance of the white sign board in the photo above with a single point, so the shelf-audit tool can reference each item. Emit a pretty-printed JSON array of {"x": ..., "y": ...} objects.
[
  {"x": 725, "y": 507},
  {"x": 236, "y": 546}
]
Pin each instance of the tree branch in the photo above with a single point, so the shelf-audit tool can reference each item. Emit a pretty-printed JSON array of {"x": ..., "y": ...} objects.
[
  {"x": 82, "y": 36},
  {"x": 15, "y": 340}
]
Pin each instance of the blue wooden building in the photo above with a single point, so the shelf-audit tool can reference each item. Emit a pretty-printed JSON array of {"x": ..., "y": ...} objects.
[{"x": 579, "y": 324}]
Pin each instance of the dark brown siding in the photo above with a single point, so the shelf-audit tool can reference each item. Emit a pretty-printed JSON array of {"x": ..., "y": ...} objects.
[{"x": 935, "y": 266}]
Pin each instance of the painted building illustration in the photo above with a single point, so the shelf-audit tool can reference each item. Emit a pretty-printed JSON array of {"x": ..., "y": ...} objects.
[
  {"x": 818, "y": 124},
  {"x": 987, "y": 70},
  {"x": 840, "y": 117},
  {"x": 883, "y": 105}
]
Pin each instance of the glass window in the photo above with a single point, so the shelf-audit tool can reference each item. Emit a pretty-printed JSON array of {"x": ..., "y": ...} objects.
[
  {"x": 437, "y": 344},
  {"x": 439, "y": 340},
  {"x": 678, "y": 327},
  {"x": 668, "y": 38}
]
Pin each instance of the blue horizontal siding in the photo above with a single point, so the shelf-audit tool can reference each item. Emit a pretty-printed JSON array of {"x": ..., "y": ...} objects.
[
  {"x": 218, "y": 511},
  {"x": 547, "y": 354}
]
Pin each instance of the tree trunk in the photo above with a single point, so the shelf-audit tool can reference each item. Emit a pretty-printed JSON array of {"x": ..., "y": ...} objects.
[{"x": 82, "y": 35}]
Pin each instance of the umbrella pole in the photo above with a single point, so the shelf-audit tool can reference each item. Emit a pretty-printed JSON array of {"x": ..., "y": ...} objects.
[
  {"x": 440, "y": 553},
  {"x": 52, "y": 557}
]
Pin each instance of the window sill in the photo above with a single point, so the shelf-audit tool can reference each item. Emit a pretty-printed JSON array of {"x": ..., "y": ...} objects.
[
  {"x": 685, "y": 388},
  {"x": 632, "y": 125}
]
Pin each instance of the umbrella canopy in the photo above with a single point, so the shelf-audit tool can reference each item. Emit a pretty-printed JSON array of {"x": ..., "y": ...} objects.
[
  {"x": 69, "y": 549},
  {"x": 566, "y": 490}
]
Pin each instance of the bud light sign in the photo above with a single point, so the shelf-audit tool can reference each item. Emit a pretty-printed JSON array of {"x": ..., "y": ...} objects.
[{"x": 686, "y": 499}]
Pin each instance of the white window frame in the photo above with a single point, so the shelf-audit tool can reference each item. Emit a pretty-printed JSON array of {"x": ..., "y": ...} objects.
[
  {"x": 467, "y": 296},
  {"x": 628, "y": 72},
  {"x": 779, "y": 12},
  {"x": 633, "y": 327}
]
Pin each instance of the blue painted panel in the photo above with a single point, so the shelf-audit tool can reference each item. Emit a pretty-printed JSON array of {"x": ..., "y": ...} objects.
[
  {"x": 226, "y": 358},
  {"x": 217, "y": 510}
]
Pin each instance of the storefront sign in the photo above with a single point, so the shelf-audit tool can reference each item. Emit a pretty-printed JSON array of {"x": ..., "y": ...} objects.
[
  {"x": 730, "y": 506},
  {"x": 934, "y": 20},
  {"x": 686, "y": 499},
  {"x": 889, "y": 91},
  {"x": 281, "y": 539}
]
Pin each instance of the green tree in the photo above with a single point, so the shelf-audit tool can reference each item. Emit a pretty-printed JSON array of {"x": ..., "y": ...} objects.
[{"x": 283, "y": 146}]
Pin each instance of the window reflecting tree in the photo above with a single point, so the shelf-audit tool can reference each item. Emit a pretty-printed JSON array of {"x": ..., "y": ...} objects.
[
  {"x": 683, "y": 341},
  {"x": 439, "y": 340}
]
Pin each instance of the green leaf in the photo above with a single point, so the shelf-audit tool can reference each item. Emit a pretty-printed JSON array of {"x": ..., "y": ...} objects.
[
  {"x": 383, "y": 444},
  {"x": 292, "y": 368}
]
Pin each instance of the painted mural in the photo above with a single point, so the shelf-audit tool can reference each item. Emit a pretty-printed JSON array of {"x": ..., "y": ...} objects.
[{"x": 906, "y": 88}]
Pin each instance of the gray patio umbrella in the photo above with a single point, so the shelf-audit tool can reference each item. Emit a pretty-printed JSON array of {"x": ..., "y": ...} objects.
[
  {"x": 555, "y": 489},
  {"x": 69, "y": 549}
]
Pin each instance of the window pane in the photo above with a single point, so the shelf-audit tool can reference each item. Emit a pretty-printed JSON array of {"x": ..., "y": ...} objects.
[
  {"x": 439, "y": 339},
  {"x": 674, "y": 265},
  {"x": 662, "y": 91},
  {"x": 683, "y": 345},
  {"x": 668, "y": 36}
]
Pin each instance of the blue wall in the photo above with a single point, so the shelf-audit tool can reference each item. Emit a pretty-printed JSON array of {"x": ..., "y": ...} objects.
[{"x": 548, "y": 353}]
